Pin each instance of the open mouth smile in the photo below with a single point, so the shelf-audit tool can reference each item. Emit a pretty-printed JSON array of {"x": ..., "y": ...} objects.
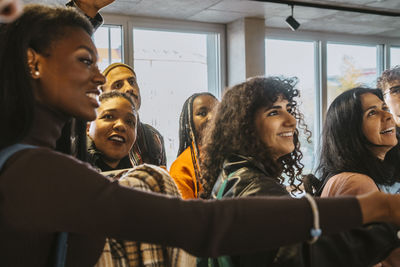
[
  {"x": 117, "y": 138},
  {"x": 388, "y": 130}
]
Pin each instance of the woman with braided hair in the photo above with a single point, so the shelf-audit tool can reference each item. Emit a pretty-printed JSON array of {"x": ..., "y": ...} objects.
[{"x": 196, "y": 112}]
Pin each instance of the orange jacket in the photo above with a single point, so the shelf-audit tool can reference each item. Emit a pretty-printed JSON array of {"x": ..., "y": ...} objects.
[{"x": 182, "y": 171}]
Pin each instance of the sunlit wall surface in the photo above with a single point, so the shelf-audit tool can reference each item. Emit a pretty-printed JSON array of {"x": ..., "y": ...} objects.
[
  {"x": 108, "y": 40},
  {"x": 349, "y": 66},
  {"x": 170, "y": 66},
  {"x": 296, "y": 59},
  {"x": 394, "y": 56}
]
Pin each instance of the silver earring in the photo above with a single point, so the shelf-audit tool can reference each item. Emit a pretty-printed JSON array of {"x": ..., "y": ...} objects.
[{"x": 37, "y": 73}]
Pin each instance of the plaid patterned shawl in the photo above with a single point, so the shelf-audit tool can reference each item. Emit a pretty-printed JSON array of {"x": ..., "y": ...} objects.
[{"x": 121, "y": 253}]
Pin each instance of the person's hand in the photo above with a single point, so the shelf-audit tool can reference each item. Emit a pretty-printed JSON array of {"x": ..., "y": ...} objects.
[
  {"x": 380, "y": 207},
  {"x": 393, "y": 207},
  {"x": 9, "y": 10},
  {"x": 92, "y": 7}
]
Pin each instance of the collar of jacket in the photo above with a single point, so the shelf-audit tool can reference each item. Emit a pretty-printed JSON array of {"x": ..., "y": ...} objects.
[{"x": 236, "y": 161}]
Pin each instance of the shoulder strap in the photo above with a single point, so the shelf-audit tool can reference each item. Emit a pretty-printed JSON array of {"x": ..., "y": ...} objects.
[
  {"x": 61, "y": 249},
  {"x": 7, "y": 152}
]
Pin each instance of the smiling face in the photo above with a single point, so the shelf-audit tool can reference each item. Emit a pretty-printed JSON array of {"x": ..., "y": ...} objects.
[
  {"x": 275, "y": 127},
  {"x": 202, "y": 112},
  {"x": 114, "y": 130},
  {"x": 67, "y": 78},
  {"x": 124, "y": 80},
  {"x": 378, "y": 125},
  {"x": 391, "y": 91}
]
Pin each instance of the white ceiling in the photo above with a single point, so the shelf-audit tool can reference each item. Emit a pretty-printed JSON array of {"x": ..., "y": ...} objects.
[{"x": 225, "y": 11}]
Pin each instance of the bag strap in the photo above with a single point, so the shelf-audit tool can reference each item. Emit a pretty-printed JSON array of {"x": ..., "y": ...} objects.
[
  {"x": 7, "y": 152},
  {"x": 61, "y": 247},
  {"x": 221, "y": 261}
]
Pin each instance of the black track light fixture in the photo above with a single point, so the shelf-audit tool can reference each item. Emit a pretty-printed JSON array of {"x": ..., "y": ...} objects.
[{"x": 292, "y": 22}]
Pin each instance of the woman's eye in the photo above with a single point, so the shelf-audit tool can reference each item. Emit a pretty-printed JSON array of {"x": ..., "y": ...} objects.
[
  {"x": 131, "y": 123},
  {"x": 202, "y": 113},
  {"x": 371, "y": 113},
  {"x": 86, "y": 61},
  {"x": 108, "y": 117},
  {"x": 272, "y": 113},
  {"x": 384, "y": 108}
]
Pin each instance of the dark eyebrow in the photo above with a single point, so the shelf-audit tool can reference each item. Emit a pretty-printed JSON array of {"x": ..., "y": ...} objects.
[
  {"x": 108, "y": 110},
  {"x": 88, "y": 49},
  {"x": 115, "y": 110},
  {"x": 276, "y": 107},
  {"x": 371, "y": 107}
]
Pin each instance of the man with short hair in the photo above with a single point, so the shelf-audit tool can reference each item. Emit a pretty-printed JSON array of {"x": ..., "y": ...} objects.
[
  {"x": 389, "y": 83},
  {"x": 149, "y": 145}
]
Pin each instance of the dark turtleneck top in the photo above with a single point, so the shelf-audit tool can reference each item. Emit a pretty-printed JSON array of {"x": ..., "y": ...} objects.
[{"x": 43, "y": 192}]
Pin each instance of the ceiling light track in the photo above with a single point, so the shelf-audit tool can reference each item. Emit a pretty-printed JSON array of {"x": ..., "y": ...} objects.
[{"x": 370, "y": 11}]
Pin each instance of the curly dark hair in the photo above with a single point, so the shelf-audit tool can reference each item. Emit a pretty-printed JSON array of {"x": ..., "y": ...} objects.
[
  {"x": 233, "y": 130},
  {"x": 345, "y": 148},
  {"x": 388, "y": 76}
]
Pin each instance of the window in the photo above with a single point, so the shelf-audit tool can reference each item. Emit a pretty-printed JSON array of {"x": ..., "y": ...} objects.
[
  {"x": 394, "y": 56},
  {"x": 108, "y": 40},
  {"x": 171, "y": 66},
  {"x": 296, "y": 59},
  {"x": 350, "y": 66}
]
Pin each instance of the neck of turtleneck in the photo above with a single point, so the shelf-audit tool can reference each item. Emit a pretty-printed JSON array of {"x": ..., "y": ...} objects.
[{"x": 46, "y": 127}]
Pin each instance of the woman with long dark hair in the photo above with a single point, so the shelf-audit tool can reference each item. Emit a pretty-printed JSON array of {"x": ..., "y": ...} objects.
[
  {"x": 358, "y": 138},
  {"x": 360, "y": 151},
  {"x": 195, "y": 115},
  {"x": 48, "y": 74},
  {"x": 251, "y": 148}
]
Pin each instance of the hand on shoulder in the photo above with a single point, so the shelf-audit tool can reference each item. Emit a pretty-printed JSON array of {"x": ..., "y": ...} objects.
[{"x": 92, "y": 7}]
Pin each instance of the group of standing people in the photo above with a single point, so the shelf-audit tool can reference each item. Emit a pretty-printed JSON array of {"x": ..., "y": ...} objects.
[{"x": 244, "y": 147}]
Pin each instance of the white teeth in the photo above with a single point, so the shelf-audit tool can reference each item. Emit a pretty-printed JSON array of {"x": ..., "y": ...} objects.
[
  {"x": 388, "y": 130},
  {"x": 93, "y": 96},
  {"x": 287, "y": 134},
  {"x": 117, "y": 138}
]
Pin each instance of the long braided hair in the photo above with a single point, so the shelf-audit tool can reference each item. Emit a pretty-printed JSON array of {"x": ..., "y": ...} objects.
[{"x": 187, "y": 134}]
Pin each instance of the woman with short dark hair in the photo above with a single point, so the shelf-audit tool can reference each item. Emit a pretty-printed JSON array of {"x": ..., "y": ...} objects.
[{"x": 113, "y": 132}]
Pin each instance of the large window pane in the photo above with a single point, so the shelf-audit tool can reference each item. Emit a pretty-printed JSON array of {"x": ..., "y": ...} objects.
[
  {"x": 394, "y": 56},
  {"x": 296, "y": 59},
  {"x": 350, "y": 66},
  {"x": 171, "y": 66},
  {"x": 108, "y": 40}
]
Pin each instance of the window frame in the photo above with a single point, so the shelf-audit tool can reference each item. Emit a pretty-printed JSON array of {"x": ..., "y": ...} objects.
[
  {"x": 321, "y": 39},
  {"x": 216, "y": 82}
]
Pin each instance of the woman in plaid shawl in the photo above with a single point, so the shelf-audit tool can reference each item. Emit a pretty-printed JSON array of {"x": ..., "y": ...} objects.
[{"x": 112, "y": 135}]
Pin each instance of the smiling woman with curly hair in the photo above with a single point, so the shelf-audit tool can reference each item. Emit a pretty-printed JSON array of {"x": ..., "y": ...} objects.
[{"x": 235, "y": 131}]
